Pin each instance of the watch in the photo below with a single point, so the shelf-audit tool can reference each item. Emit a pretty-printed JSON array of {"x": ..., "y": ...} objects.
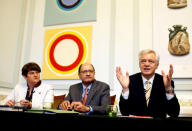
[{"x": 170, "y": 91}]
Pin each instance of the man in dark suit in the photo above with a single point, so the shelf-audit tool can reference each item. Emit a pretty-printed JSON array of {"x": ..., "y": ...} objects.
[
  {"x": 98, "y": 93},
  {"x": 161, "y": 101}
]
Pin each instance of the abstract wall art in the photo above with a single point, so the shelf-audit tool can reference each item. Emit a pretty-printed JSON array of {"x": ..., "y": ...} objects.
[
  {"x": 59, "y": 12},
  {"x": 65, "y": 49}
]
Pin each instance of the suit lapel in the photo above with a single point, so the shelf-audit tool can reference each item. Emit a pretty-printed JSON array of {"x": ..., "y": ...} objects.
[
  {"x": 142, "y": 90},
  {"x": 91, "y": 92},
  {"x": 154, "y": 86},
  {"x": 79, "y": 95},
  {"x": 153, "y": 90}
]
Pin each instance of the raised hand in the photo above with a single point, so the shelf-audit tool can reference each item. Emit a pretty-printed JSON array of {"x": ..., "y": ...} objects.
[
  {"x": 124, "y": 80},
  {"x": 167, "y": 78}
]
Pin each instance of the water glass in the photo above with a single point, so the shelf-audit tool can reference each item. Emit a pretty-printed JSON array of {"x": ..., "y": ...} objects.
[
  {"x": 112, "y": 110},
  {"x": 47, "y": 105}
]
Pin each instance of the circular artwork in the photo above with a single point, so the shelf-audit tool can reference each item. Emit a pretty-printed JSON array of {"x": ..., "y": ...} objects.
[
  {"x": 68, "y": 4},
  {"x": 65, "y": 52}
]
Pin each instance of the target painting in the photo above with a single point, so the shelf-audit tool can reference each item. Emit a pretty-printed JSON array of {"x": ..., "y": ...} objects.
[
  {"x": 69, "y": 11},
  {"x": 65, "y": 49}
]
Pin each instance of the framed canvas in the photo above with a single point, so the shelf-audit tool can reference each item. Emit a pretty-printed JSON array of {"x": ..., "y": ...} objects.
[
  {"x": 69, "y": 11},
  {"x": 65, "y": 49}
]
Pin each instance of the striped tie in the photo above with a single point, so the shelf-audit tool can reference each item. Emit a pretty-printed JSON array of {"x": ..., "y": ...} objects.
[{"x": 147, "y": 91}]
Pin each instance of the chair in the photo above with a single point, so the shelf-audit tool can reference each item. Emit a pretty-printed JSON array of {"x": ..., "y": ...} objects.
[
  {"x": 112, "y": 99},
  {"x": 58, "y": 100}
]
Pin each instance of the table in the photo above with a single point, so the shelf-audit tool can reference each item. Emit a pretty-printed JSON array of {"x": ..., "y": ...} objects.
[{"x": 96, "y": 121}]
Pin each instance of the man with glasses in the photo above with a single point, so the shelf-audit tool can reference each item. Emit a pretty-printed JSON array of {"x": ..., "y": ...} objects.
[
  {"x": 33, "y": 93},
  {"x": 148, "y": 93},
  {"x": 90, "y": 96}
]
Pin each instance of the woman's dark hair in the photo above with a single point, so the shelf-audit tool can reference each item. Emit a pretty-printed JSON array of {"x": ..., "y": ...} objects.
[{"x": 30, "y": 67}]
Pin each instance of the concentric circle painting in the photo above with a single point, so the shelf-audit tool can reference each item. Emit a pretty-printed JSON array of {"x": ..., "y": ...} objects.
[
  {"x": 59, "y": 12},
  {"x": 65, "y": 50}
]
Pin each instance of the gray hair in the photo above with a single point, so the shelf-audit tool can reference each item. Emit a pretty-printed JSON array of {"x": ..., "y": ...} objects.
[{"x": 148, "y": 51}]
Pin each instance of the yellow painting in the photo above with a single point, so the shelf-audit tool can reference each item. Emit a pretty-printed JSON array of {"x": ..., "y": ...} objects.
[{"x": 65, "y": 49}]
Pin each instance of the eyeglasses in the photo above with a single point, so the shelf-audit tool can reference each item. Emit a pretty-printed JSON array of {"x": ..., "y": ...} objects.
[
  {"x": 87, "y": 71},
  {"x": 143, "y": 61}
]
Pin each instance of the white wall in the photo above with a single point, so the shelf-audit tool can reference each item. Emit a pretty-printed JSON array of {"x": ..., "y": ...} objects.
[
  {"x": 11, "y": 33},
  {"x": 122, "y": 29}
]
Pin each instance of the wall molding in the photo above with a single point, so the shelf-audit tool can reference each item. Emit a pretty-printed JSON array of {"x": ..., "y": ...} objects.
[
  {"x": 112, "y": 44},
  {"x": 4, "y": 84},
  {"x": 136, "y": 34},
  {"x": 183, "y": 84}
]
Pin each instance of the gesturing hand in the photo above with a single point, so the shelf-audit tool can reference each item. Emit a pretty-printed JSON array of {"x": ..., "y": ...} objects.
[
  {"x": 124, "y": 80},
  {"x": 167, "y": 78}
]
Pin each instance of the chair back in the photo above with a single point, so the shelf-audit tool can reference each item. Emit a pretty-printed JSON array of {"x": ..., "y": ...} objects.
[
  {"x": 58, "y": 100},
  {"x": 112, "y": 99}
]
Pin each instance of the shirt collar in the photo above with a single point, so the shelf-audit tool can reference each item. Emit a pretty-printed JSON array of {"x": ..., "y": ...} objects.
[
  {"x": 151, "y": 79},
  {"x": 89, "y": 87}
]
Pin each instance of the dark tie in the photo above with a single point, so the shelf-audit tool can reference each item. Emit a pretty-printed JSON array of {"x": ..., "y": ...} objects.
[{"x": 85, "y": 96}]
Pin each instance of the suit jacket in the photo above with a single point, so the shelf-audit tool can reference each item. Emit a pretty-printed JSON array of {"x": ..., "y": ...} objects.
[
  {"x": 158, "y": 106},
  {"x": 98, "y": 97}
]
